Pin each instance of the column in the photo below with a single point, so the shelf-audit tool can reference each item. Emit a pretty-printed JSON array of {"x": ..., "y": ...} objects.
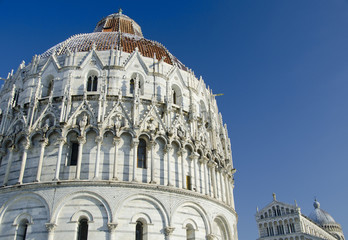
[
  {"x": 152, "y": 144},
  {"x": 182, "y": 153},
  {"x": 205, "y": 166},
  {"x": 112, "y": 230},
  {"x": 50, "y": 228},
  {"x": 60, "y": 149},
  {"x": 201, "y": 161},
  {"x": 221, "y": 184},
  {"x": 168, "y": 148},
  {"x": 81, "y": 140},
  {"x": 99, "y": 141},
  {"x": 194, "y": 157},
  {"x": 168, "y": 232},
  {"x": 114, "y": 173},
  {"x": 135, "y": 151},
  {"x": 44, "y": 143},
  {"x": 231, "y": 190},
  {"x": 9, "y": 163},
  {"x": 227, "y": 190},
  {"x": 212, "y": 170},
  {"x": 24, "y": 161}
]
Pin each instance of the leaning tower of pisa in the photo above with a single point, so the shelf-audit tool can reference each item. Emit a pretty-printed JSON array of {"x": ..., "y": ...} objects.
[{"x": 107, "y": 135}]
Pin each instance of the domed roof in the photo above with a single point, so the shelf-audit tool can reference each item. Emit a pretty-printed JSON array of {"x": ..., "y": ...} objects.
[
  {"x": 320, "y": 216},
  {"x": 116, "y": 31}
]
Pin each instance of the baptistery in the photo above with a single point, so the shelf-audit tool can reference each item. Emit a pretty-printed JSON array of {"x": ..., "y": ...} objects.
[{"x": 107, "y": 135}]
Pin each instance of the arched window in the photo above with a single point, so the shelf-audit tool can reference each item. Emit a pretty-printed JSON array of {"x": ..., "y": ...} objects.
[
  {"x": 82, "y": 232},
  {"x": 131, "y": 86},
  {"x": 142, "y": 154},
  {"x": 175, "y": 100},
  {"x": 92, "y": 83},
  {"x": 139, "y": 231},
  {"x": 22, "y": 230},
  {"x": 190, "y": 232}
]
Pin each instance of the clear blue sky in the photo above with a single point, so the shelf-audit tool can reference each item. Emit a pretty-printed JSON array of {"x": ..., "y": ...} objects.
[{"x": 282, "y": 65}]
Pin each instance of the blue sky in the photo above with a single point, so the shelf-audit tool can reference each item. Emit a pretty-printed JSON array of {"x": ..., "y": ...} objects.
[{"x": 282, "y": 65}]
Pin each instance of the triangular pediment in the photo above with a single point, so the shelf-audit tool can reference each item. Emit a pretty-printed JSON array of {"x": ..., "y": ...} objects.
[
  {"x": 135, "y": 60},
  {"x": 92, "y": 58}
]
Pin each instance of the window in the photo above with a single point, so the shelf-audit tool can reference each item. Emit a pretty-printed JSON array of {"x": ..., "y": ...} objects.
[
  {"x": 142, "y": 154},
  {"x": 188, "y": 182},
  {"x": 190, "y": 232},
  {"x": 74, "y": 152},
  {"x": 139, "y": 231},
  {"x": 92, "y": 83},
  {"x": 131, "y": 86},
  {"x": 82, "y": 232},
  {"x": 292, "y": 228},
  {"x": 174, "y": 96},
  {"x": 22, "y": 230}
]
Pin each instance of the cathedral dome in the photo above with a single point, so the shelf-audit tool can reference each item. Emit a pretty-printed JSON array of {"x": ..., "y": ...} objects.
[
  {"x": 320, "y": 216},
  {"x": 115, "y": 31}
]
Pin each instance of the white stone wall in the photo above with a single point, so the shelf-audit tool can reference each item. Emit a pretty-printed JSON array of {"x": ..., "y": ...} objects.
[{"x": 104, "y": 204}]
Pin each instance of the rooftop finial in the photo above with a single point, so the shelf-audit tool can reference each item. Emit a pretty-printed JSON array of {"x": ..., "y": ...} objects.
[
  {"x": 120, "y": 10},
  {"x": 274, "y": 197}
]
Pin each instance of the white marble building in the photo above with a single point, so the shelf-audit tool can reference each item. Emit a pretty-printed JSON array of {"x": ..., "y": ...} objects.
[
  {"x": 108, "y": 136},
  {"x": 282, "y": 221}
]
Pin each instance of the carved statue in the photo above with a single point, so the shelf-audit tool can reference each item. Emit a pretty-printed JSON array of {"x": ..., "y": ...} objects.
[{"x": 83, "y": 121}]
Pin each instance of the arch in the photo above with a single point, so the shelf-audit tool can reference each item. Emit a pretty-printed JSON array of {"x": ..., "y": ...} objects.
[
  {"x": 176, "y": 94},
  {"x": 143, "y": 216},
  {"x": 142, "y": 153},
  {"x": 161, "y": 137},
  {"x": 154, "y": 201},
  {"x": 196, "y": 207},
  {"x": 47, "y": 86},
  {"x": 69, "y": 197},
  {"x": 81, "y": 214},
  {"x": 22, "y": 196},
  {"x": 92, "y": 80},
  {"x": 190, "y": 232},
  {"x": 222, "y": 222},
  {"x": 23, "y": 216},
  {"x": 190, "y": 221},
  {"x": 53, "y": 131},
  {"x": 140, "y": 78}
]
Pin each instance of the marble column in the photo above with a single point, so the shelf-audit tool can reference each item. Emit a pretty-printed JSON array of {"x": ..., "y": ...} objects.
[
  {"x": 227, "y": 190},
  {"x": 194, "y": 156},
  {"x": 82, "y": 141},
  {"x": 99, "y": 141},
  {"x": 203, "y": 162},
  {"x": 152, "y": 144},
  {"x": 112, "y": 230},
  {"x": 24, "y": 161},
  {"x": 168, "y": 148},
  {"x": 59, "y": 159},
  {"x": 9, "y": 163},
  {"x": 50, "y": 228},
  {"x": 222, "y": 195},
  {"x": 168, "y": 231},
  {"x": 44, "y": 143},
  {"x": 135, "y": 151},
  {"x": 114, "y": 173},
  {"x": 182, "y": 153},
  {"x": 212, "y": 166}
]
